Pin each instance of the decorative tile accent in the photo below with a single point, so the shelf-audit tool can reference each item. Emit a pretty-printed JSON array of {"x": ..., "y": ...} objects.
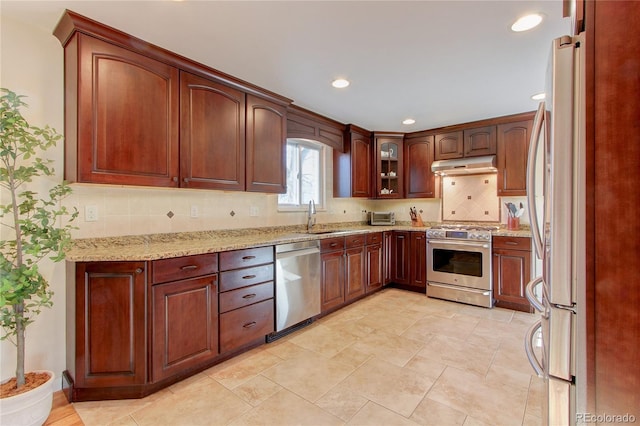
[
  {"x": 470, "y": 198},
  {"x": 232, "y": 213},
  {"x": 170, "y": 214}
]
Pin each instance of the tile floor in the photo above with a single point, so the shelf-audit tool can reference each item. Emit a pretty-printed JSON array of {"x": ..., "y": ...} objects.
[{"x": 394, "y": 358}]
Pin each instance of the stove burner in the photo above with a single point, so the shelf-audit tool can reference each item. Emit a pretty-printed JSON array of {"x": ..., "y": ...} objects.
[
  {"x": 461, "y": 232},
  {"x": 466, "y": 227}
]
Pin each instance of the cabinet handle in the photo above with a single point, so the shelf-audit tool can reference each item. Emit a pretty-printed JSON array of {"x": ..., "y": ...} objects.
[
  {"x": 333, "y": 244},
  {"x": 248, "y": 257},
  {"x": 189, "y": 267},
  {"x": 249, "y": 324},
  {"x": 356, "y": 241},
  {"x": 248, "y": 277},
  {"x": 511, "y": 243},
  {"x": 249, "y": 296},
  {"x": 139, "y": 270}
]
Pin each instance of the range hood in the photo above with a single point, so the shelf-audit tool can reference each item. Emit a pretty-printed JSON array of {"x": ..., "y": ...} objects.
[{"x": 465, "y": 166}]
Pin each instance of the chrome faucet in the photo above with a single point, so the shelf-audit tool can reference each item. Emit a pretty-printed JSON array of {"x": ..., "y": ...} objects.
[{"x": 311, "y": 216}]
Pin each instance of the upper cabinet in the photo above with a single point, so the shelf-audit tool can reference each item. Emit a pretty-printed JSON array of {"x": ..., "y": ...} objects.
[
  {"x": 305, "y": 124},
  {"x": 513, "y": 148},
  {"x": 419, "y": 180},
  {"x": 449, "y": 145},
  {"x": 388, "y": 165},
  {"x": 352, "y": 167},
  {"x": 480, "y": 141},
  {"x": 136, "y": 114}
]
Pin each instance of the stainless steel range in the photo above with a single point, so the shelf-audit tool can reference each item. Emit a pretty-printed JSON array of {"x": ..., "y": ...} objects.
[{"x": 459, "y": 264}]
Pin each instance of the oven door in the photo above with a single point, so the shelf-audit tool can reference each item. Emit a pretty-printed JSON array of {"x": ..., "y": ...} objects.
[{"x": 461, "y": 263}]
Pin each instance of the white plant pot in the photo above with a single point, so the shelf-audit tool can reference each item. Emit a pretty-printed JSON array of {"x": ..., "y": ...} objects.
[{"x": 30, "y": 408}]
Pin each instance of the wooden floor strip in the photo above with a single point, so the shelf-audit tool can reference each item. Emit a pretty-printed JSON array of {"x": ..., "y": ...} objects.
[{"x": 62, "y": 412}]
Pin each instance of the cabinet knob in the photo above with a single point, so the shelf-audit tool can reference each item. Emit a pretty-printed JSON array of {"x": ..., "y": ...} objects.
[
  {"x": 139, "y": 270},
  {"x": 186, "y": 180},
  {"x": 175, "y": 179}
]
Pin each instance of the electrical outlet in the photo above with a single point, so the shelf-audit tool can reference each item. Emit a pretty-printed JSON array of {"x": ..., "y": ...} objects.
[
  {"x": 194, "y": 211},
  {"x": 254, "y": 211},
  {"x": 90, "y": 213}
]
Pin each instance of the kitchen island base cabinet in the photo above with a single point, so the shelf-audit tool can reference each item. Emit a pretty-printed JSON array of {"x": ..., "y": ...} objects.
[{"x": 511, "y": 272}]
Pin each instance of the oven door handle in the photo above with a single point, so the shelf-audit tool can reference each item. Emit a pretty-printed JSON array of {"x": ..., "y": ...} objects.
[{"x": 457, "y": 243}]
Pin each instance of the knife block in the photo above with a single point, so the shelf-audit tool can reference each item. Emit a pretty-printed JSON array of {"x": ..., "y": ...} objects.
[
  {"x": 513, "y": 223},
  {"x": 417, "y": 221}
]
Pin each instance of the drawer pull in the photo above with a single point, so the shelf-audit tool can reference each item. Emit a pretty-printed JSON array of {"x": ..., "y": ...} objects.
[
  {"x": 249, "y": 324},
  {"x": 248, "y": 257},
  {"x": 333, "y": 244},
  {"x": 249, "y": 296},
  {"x": 356, "y": 241},
  {"x": 189, "y": 267},
  {"x": 511, "y": 243},
  {"x": 248, "y": 277}
]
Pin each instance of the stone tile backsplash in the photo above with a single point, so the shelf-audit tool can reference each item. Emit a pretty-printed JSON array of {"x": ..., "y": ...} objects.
[{"x": 470, "y": 198}]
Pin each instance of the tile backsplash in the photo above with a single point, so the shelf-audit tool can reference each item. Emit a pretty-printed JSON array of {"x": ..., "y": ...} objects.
[{"x": 470, "y": 198}]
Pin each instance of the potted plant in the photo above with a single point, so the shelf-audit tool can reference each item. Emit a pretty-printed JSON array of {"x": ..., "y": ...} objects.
[{"x": 34, "y": 226}]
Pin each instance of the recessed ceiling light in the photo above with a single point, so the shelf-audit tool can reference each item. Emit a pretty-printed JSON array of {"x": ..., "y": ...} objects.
[
  {"x": 340, "y": 83},
  {"x": 527, "y": 22},
  {"x": 408, "y": 121},
  {"x": 539, "y": 96}
]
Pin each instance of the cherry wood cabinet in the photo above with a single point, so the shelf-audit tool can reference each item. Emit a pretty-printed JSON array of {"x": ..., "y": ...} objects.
[
  {"x": 352, "y": 167},
  {"x": 389, "y": 158},
  {"x": 212, "y": 134},
  {"x": 266, "y": 145},
  {"x": 419, "y": 180},
  {"x": 355, "y": 271},
  {"x": 511, "y": 272},
  {"x": 480, "y": 141},
  {"x": 409, "y": 260},
  {"x": 387, "y": 264},
  {"x": 185, "y": 325},
  {"x": 122, "y": 116},
  {"x": 449, "y": 145},
  {"x": 511, "y": 160},
  {"x": 374, "y": 261},
  {"x": 418, "y": 261},
  {"x": 332, "y": 274},
  {"x": 305, "y": 124},
  {"x": 400, "y": 257},
  {"x": 107, "y": 338}
]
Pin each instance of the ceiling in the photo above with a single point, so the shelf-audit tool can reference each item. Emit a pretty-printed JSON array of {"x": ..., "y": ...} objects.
[{"x": 438, "y": 62}]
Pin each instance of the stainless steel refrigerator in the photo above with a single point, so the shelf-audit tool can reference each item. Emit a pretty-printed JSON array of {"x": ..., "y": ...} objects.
[{"x": 556, "y": 193}]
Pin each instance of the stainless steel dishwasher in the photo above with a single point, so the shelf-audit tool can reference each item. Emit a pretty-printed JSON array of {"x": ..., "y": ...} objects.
[{"x": 297, "y": 282}]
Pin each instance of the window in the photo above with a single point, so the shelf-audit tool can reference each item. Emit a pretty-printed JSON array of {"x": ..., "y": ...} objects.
[{"x": 305, "y": 175}]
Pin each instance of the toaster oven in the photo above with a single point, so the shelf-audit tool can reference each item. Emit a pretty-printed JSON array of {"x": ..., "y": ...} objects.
[{"x": 382, "y": 218}]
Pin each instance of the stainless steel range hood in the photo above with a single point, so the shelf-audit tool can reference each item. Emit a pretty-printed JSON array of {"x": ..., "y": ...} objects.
[{"x": 463, "y": 166}]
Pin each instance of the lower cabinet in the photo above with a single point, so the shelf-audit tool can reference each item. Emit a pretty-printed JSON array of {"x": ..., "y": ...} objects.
[
  {"x": 409, "y": 260},
  {"x": 387, "y": 249},
  {"x": 418, "y": 261},
  {"x": 332, "y": 273},
  {"x": 511, "y": 272},
  {"x": 374, "y": 262},
  {"x": 400, "y": 267},
  {"x": 185, "y": 325}
]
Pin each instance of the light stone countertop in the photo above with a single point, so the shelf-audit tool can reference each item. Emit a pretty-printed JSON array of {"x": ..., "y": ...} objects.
[{"x": 163, "y": 246}]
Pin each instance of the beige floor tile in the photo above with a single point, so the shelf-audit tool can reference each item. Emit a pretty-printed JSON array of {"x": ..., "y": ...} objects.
[
  {"x": 106, "y": 412},
  {"x": 511, "y": 355},
  {"x": 396, "y": 388},
  {"x": 352, "y": 357},
  {"x": 374, "y": 415},
  {"x": 432, "y": 413},
  {"x": 324, "y": 340},
  {"x": 458, "y": 353},
  {"x": 124, "y": 421},
  {"x": 471, "y": 421},
  {"x": 389, "y": 347},
  {"x": 426, "y": 366},
  {"x": 286, "y": 408},
  {"x": 285, "y": 349},
  {"x": 460, "y": 327},
  {"x": 531, "y": 420},
  {"x": 535, "y": 398},
  {"x": 505, "y": 330},
  {"x": 235, "y": 372},
  {"x": 310, "y": 377},
  {"x": 488, "y": 402},
  {"x": 342, "y": 402},
  {"x": 206, "y": 402},
  {"x": 495, "y": 314},
  {"x": 257, "y": 390}
]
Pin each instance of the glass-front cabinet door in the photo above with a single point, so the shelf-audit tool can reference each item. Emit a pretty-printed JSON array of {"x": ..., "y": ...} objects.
[{"x": 389, "y": 165}]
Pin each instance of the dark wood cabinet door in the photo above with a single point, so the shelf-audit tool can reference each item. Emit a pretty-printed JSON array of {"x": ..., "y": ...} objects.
[
  {"x": 511, "y": 273},
  {"x": 418, "y": 156},
  {"x": 185, "y": 325},
  {"x": 511, "y": 159},
  {"x": 374, "y": 277},
  {"x": 352, "y": 167},
  {"x": 361, "y": 166},
  {"x": 480, "y": 141},
  {"x": 266, "y": 139},
  {"x": 400, "y": 272},
  {"x": 389, "y": 171},
  {"x": 332, "y": 279},
  {"x": 246, "y": 325},
  {"x": 449, "y": 145},
  {"x": 126, "y": 116},
  {"x": 418, "y": 261},
  {"x": 110, "y": 324},
  {"x": 355, "y": 262},
  {"x": 212, "y": 134},
  {"x": 387, "y": 249}
]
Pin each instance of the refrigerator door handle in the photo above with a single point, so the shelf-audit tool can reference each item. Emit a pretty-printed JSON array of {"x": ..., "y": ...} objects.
[
  {"x": 528, "y": 348},
  {"x": 538, "y": 128},
  {"x": 531, "y": 296}
]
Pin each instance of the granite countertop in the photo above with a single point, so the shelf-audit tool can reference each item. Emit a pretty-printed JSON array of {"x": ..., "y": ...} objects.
[{"x": 162, "y": 246}]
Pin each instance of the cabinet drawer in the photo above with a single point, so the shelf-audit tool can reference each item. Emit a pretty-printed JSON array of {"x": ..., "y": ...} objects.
[
  {"x": 355, "y": 240},
  {"x": 244, "y": 296},
  {"x": 179, "y": 268},
  {"x": 513, "y": 243},
  {"x": 231, "y": 280},
  {"x": 247, "y": 257},
  {"x": 374, "y": 238},
  {"x": 332, "y": 244},
  {"x": 244, "y": 325}
]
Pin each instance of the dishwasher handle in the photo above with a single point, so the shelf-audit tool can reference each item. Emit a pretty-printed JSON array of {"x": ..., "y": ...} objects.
[{"x": 296, "y": 253}]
